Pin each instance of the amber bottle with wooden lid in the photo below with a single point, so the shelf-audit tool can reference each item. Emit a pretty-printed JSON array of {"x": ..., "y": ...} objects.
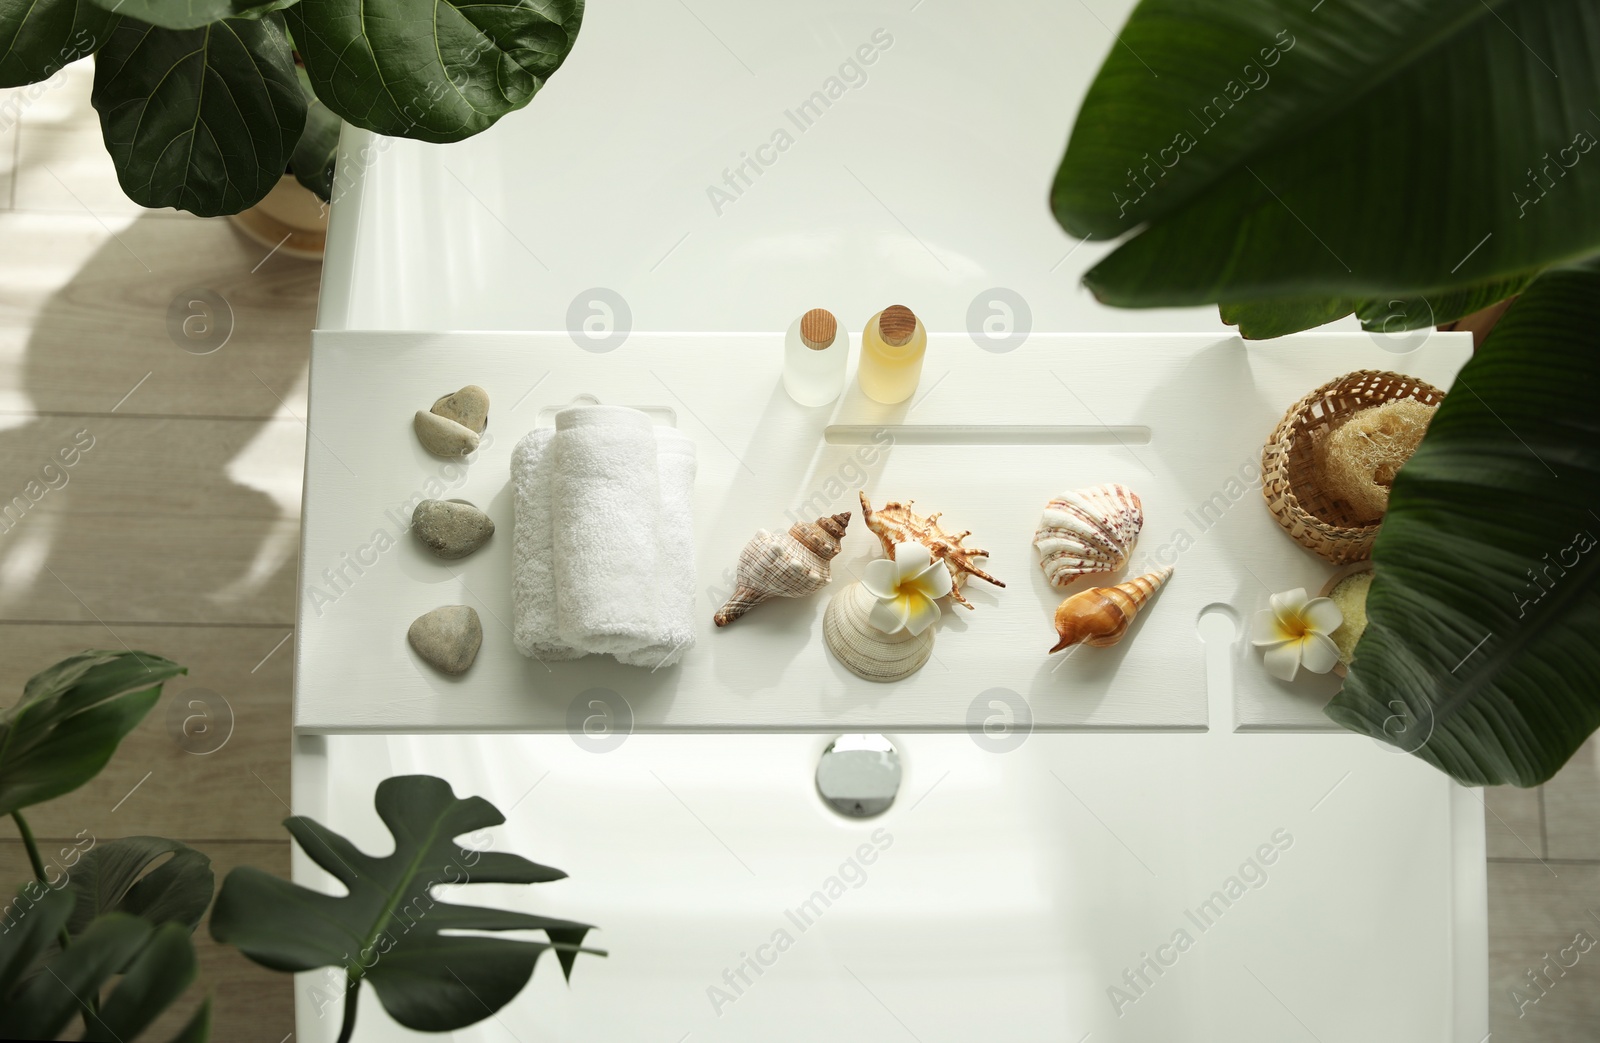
[{"x": 892, "y": 347}]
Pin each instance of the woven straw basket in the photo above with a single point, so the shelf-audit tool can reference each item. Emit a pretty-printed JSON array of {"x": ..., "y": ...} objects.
[{"x": 1313, "y": 517}]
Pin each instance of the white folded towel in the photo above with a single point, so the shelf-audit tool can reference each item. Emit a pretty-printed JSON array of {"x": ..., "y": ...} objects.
[
  {"x": 603, "y": 556},
  {"x": 673, "y": 590},
  {"x": 534, "y": 621}
]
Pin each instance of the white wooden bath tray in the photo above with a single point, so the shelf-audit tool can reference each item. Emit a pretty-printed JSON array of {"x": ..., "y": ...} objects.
[{"x": 987, "y": 439}]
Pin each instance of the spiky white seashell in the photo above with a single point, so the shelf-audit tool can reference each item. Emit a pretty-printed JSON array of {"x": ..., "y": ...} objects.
[{"x": 1088, "y": 530}]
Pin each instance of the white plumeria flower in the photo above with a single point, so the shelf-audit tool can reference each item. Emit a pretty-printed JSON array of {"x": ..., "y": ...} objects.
[
  {"x": 1294, "y": 633},
  {"x": 906, "y": 587}
]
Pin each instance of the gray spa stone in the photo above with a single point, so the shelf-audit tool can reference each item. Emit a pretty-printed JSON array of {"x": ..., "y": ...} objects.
[
  {"x": 451, "y": 528},
  {"x": 448, "y": 637},
  {"x": 443, "y": 437}
]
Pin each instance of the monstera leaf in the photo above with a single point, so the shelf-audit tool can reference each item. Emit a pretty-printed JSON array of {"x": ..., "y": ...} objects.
[
  {"x": 1348, "y": 149},
  {"x": 71, "y": 718},
  {"x": 387, "y": 928},
  {"x": 41, "y": 988},
  {"x": 115, "y": 876},
  {"x": 1482, "y": 650},
  {"x": 437, "y": 70}
]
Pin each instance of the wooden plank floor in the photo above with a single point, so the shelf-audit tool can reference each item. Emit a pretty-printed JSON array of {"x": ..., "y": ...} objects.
[
  {"x": 177, "y": 533},
  {"x": 176, "y": 528}
]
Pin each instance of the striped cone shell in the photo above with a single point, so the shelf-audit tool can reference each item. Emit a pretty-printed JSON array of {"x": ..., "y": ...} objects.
[{"x": 1101, "y": 616}]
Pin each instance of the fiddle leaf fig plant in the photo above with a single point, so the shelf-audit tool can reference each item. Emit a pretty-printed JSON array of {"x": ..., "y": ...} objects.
[
  {"x": 387, "y": 928},
  {"x": 199, "y": 101},
  {"x": 1294, "y": 163}
]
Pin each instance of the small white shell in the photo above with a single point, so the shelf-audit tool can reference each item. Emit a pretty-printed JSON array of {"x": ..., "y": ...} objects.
[
  {"x": 865, "y": 650},
  {"x": 1088, "y": 530}
]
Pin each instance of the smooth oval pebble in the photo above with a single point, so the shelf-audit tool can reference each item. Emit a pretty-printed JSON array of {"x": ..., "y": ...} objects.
[
  {"x": 448, "y": 637},
  {"x": 451, "y": 528},
  {"x": 443, "y": 437},
  {"x": 468, "y": 407}
]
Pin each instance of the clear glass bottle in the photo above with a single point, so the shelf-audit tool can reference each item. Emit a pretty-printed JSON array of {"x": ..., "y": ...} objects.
[
  {"x": 892, "y": 347},
  {"x": 814, "y": 356}
]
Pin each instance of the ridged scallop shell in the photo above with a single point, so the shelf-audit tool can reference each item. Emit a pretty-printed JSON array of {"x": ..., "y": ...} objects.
[
  {"x": 1102, "y": 615},
  {"x": 784, "y": 565},
  {"x": 1088, "y": 530},
  {"x": 865, "y": 650}
]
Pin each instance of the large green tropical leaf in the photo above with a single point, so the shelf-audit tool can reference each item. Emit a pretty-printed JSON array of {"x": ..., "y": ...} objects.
[
  {"x": 191, "y": 14},
  {"x": 199, "y": 119},
  {"x": 1346, "y": 148},
  {"x": 437, "y": 70},
  {"x": 1482, "y": 651},
  {"x": 71, "y": 718},
  {"x": 115, "y": 876},
  {"x": 386, "y": 928},
  {"x": 1277, "y": 316},
  {"x": 38, "y": 38},
  {"x": 155, "y": 964}
]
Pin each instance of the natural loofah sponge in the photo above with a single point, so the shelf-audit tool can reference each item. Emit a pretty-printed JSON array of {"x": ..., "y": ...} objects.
[
  {"x": 1350, "y": 594},
  {"x": 1357, "y": 460}
]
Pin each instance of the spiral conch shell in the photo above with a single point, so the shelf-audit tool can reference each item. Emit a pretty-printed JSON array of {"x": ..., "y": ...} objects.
[
  {"x": 1101, "y": 616},
  {"x": 1088, "y": 530},
  {"x": 898, "y": 523},
  {"x": 786, "y": 565}
]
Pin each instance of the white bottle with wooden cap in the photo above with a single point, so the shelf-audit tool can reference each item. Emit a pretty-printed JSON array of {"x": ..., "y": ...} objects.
[
  {"x": 814, "y": 357},
  {"x": 892, "y": 347}
]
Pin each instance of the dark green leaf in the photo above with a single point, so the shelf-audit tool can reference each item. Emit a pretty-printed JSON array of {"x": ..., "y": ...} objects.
[
  {"x": 71, "y": 718},
  {"x": 112, "y": 876},
  {"x": 1482, "y": 650},
  {"x": 1390, "y": 150},
  {"x": 191, "y": 14},
  {"x": 436, "y": 70},
  {"x": 32, "y": 920},
  {"x": 198, "y": 1029},
  {"x": 41, "y": 1006},
  {"x": 1395, "y": 315},
  {"x": 1262, "y": 320},
  {"x": 38, "y": 38},
  {"x": 314, "y": 154},
  {"x": 199, "y": 119},
  {"x": 386, "y": 929},
  {"x": 157, "y": 976}
]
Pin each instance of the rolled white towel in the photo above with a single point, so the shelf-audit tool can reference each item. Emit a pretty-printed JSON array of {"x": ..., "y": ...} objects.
[
  {"x": 536, "y": 630},
  {"x": 606, "y": 508},
  {"x": 673, "y": 589}
]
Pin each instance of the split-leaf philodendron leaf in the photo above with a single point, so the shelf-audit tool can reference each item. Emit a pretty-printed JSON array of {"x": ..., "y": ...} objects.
[
  {"x": 387, "y": 928},
  {"x": 42, "y": 986},
  {"x": 1482, "y": 648}
]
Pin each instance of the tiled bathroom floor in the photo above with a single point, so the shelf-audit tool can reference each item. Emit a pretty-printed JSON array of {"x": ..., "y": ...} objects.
[{"x": 177, "y": 533}]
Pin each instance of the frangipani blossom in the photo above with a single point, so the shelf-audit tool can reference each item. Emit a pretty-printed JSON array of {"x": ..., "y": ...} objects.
[
  {"x": 906, "y": 587},
  {"x": 1294, "y": 633}
]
